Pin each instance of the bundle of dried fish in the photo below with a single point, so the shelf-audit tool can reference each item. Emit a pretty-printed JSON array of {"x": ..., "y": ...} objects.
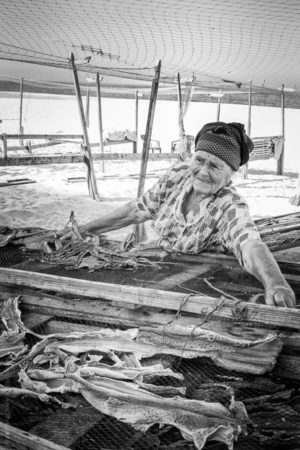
[
  {"x": 118, "y": 389},
  {"x": 76, "y": 250}
]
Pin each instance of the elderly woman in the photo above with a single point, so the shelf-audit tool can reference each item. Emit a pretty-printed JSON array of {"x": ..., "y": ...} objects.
[{"x": 194, "y": 206}]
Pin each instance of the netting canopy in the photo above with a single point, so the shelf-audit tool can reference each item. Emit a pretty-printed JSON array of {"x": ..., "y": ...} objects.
[{"x": 222, "y": 43}]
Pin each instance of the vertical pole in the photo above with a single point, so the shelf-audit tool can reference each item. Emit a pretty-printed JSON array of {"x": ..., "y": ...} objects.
[
  {"x": 4, "y": 140},
  {"x": 280, "y": 162},
  {"x": 135, "y": 145},
  {"x": 147, "y": 139},
  {"x": 87, "y": 108},
  {"x": 88, "y": 159},
  {"x": 100, "y": 119},
  {"x": 21, "y": 128},
  {"x": 245, "y": 168},
  {"x": 219, "y": 105},
  {"x": 182, "y": 142},
  {"x": 149, "y": 126}
]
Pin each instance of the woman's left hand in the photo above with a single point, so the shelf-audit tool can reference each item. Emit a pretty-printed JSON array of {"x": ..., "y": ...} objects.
[{"x": 280, "y": 295}]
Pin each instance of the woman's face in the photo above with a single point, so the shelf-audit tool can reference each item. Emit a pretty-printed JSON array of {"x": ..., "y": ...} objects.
[{"x": 209, "y": 173}]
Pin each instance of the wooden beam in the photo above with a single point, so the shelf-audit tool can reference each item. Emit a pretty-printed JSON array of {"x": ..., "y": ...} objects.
[
  {"x": 79, "y": 158},
  {"x": 219, "y": 105},
  {"x": 87, "y": 108},
  {"x": 88, "y": 159},
  {"x": 27, "y": 440},
  {"x": 33, "y": 146},
  {"x": 41, "y": 136},
  {"x": 21, "y": 129},
  {"x": 280, "y": 162},
  {"x": 4, "y": 147},
  {"x": 100, "y": 121},
  {"x": 135, "y": 145},
  {"x": 138, "y": 231},
  {"x": 202, "y": 305},
  {"x": 148, "y": 132}
]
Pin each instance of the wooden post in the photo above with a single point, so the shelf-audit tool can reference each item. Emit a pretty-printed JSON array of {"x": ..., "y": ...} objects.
[
  {"x": 245, "y": 168},
  {"x": 4, "y": 140},
  {"x": 87, "y": 108},
  {"x": 219, "y": 105},
  {"x": 295, "y": 200},
  {"x": 149, "y": 126},
  {"x": 137, "y": 231},
  {"x": 88, "y": 159},
  {"x": 100, "y": 122},
  {"x": 182, "y": 142},
  {"x": 280, "y": 162},
  {"x": 21, "y": 128},
  {"x": 135, "y": 145}
]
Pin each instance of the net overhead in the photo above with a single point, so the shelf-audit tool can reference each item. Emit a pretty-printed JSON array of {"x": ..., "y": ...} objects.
[{"x": 223, "y": 44}]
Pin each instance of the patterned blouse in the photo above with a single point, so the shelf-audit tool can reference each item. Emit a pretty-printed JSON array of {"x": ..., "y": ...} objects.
[{"x": 223, "y": 219}]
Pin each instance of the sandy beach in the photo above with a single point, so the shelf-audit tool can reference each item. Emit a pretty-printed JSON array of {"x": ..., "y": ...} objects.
[{"x": 60, "y": 189}]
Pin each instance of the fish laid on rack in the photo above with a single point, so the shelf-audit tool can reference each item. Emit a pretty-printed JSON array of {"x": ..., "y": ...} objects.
[
  {"x": 73, "y": 249},
  {"x": 125, "y": 393}
]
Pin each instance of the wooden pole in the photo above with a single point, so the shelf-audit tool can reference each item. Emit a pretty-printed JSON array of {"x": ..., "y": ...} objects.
[
  {"x": 245, "y": 168},
  {"x": 87, "y": 108},
  {"x": 4, "y": 140},
  {"x": 182, "y": 142},
  {"x": 100, "y": 122},
  {"x": 149, "y": 126},
  {"x": 280, "y": 162},
  {"x": 21, "y": 128},
  {"x": 219, "y": 105},
  {"x": 139, "y": 230},
  {"x": 135, "y": 145},
  {"x": 88, "y": 159},
  {"x": 13, "y": 435}
]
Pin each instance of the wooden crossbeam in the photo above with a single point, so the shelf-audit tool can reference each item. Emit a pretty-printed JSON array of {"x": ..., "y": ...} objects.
[
  {"x": 202, "y": 305},
  {"x": 27, "y": 440},
  {"x": 41, "y": 136},
  {"x": 79, "y": 158}
]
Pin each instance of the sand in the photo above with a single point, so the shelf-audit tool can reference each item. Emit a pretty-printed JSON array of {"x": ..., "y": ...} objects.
[{"x": 49, "y": 201}]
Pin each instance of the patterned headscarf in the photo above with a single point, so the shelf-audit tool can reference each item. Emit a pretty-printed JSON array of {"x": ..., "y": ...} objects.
[{"x": 228, "y": 141}]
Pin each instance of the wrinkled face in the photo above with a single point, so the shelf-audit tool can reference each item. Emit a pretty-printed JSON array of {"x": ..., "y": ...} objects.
[{"x": 209, "y": 173}]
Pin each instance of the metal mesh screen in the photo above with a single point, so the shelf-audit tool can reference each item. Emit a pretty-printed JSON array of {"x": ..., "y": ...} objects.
[{"x": 274, "y": 423}]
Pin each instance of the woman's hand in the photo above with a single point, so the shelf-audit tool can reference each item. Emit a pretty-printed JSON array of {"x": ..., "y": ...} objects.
[{"x": 280, "y": 295}]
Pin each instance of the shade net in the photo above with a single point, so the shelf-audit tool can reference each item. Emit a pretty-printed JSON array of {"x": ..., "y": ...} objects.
[{"x": 272, "y": 408}]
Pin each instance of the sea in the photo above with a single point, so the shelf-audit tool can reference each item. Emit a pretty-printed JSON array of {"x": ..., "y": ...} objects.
[{"x": 60, "y": 114}]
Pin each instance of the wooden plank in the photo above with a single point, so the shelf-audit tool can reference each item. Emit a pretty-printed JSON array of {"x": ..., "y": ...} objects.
[
  {"x": 79, "y": 158},
  {"x": 27, "y": 440},
  {"x": 222, "y": 308},
  {"x": 17, "y": 183},
  {"x": 34, "y": 146},
  {"x": 280, "y": 161},
  {"x": 42, "y": 136},
  {"x": 100, "y": 121},
  {"x": 4, "y": 143},
  {"x": 39, "y": 308}
]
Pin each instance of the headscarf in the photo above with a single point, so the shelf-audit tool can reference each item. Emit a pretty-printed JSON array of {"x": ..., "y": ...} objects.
[{"x": 228, "y": 141}]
